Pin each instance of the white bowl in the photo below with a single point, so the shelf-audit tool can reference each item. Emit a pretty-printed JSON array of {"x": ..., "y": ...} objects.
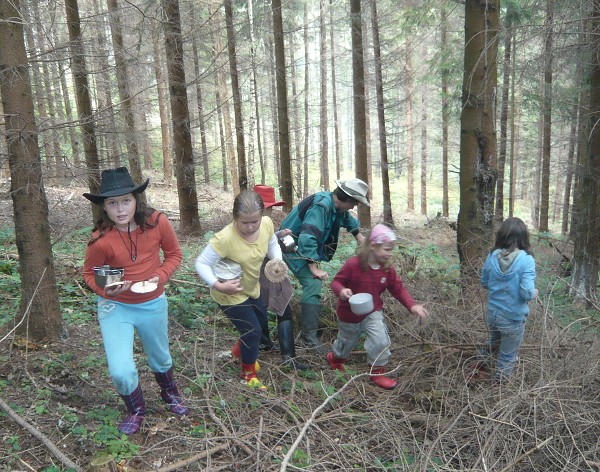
[
  {"x": 361, "y": 303},
  {"x": 226, "y": 269}
]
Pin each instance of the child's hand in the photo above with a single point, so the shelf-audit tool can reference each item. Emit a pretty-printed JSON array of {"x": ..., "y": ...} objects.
[
  {"x": 229, "y": 287},
  {"x": 117, "y": 289},
  {"x": 420, "y": 311},
  {"x": 345, "y": 294},
  {"x": 283, "y": 232}
]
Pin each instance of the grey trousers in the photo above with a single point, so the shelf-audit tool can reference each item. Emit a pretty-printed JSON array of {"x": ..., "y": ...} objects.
[{"x": 377, "y": 343}]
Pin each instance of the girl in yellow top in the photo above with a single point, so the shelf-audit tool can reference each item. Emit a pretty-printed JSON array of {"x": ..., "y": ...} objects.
[{"x": 246, "y": 240}]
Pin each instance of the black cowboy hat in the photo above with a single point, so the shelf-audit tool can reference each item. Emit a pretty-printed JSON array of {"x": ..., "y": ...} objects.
[{"x": 114, "y": 183}]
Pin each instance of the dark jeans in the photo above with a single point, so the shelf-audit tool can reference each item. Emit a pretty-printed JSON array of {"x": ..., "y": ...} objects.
[{"x": 249, "y": 318}]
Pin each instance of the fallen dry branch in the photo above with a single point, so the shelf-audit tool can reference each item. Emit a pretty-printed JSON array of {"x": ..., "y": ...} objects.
[
  {"x": 45, "y": 441},
  {"x": 190, "y": 460},
  {"x": 526, "y": 454}
]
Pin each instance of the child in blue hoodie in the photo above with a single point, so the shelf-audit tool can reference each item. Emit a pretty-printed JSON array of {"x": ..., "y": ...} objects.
[{"x": 509, "y": 276}]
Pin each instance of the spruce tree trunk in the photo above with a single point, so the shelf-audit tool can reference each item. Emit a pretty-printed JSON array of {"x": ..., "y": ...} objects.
[
  {"x": 323, "y": 117},
  {"x": 334, "y": 104},
  {"x": 282, "y": 109},
  {"x": 163, "y": 106},
  {"x": 445, "y": 115},
  {"x": 410, "y": 151},
  {"x": 83, "y": 100},
  {"x": 39, "y": 314},
  {"x": 547, "y": 119},
  {"x": 385, "y": 176},
  {"x": 237, "y": 102},
  {"x": 358, "y": 92},
  {"x": 478, "y": 137},
  {"x": 586, "y": 255},
  {"x": 185, "y": 172}
]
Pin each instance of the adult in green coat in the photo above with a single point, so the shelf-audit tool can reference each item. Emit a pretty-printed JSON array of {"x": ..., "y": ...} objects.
[{"x": 315, "y": 224}]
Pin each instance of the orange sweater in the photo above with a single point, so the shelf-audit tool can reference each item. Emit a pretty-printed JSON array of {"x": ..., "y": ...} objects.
[{"x": 113, "y": 249}]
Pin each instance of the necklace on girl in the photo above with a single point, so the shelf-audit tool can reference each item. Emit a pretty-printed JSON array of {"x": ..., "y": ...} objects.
[{"x": 132, "y": 249}]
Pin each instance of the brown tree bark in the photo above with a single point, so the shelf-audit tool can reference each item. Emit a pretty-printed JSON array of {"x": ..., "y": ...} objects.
[
  {"x": 547, "y": 118},
  {"x": 506, "y": 72},
  {"x": 304, "y": 191},
  {"x": 39, "y": 314},
  {"x": 185, "y": 172},
  {"x": 323, "y": 118},
  {"x": 334, "y": 104},
  {"x": 358, "y": 93},
  {"x": 385, "y": 176},
  {"x": 586, "y": 254},
  {"x": 83, "y": 100},
  {"x": 478, "y": 137},
  {"x": 569, "y": 172},
  {"x": 107, "y": 132},
  {"x": 410, "y": 152},
  {"x": 200, "y": 105},
  {"x": 237, "y": 102},
  {"x": 424, "y": 150},
  {"x": 445, "y": 73},
  {"x": 224, "y": 96},
  {"x": 255, "y": 119},
  {"x": 282, "y": 109},
  {"x": 125, "y": 95},
  {"x": 163, "y": 106},
  {"x": 296, "y": 126}
]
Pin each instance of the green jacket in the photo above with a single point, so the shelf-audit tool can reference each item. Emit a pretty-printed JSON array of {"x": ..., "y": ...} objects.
[{"x": 315, "y": 224}]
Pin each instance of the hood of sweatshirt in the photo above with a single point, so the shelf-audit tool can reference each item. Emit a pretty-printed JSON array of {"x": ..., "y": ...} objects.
[{"x": 506, "y": 257}]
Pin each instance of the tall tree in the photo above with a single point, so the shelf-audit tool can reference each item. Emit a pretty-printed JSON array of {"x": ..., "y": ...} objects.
[
  {"x": 323, "y": 118},
  {"x": 224, "y": 102},
  {"x": 547, "y": 116},
  {"x": 424, "y": 149},
  {"x": 255, "y": 119},
  {"x": 445, "y": 74},
  {"x": 185, "y": 172},
  {"x": 358, "y": 93},
  {"x": 39, "y": 314},
  {"x": 385, "y": 176},
  {"x": 506, "y": 66},
  {"x": 334, "y": 97},
  {"x": 125, "y": 95},
  {"x": 163, "y": 107},
  {"x": 410, "y": 158},
  {"x": 586, "y": 255},
  {"x": 237, "y": 101},
  {"x": 200, "y": 102},
  {"x": 478, "y": 136},
  {"x": 83, "y": 99},
  {"x": 287, "y": 193}
]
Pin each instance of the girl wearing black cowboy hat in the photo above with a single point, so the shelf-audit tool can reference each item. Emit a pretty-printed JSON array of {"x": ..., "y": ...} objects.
[{"x": 131, "y": 236}]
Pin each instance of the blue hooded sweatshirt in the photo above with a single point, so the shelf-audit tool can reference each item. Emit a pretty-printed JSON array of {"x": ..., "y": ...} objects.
[{"x": 509, "y": 277}]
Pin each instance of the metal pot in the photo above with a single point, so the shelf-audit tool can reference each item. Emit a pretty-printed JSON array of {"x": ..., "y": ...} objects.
[
  {"x": 107, "y": 275},
  {"x": 287, "y": 244}
]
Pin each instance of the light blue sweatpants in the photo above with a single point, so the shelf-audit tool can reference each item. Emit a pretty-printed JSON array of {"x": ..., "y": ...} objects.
[{"x": 118, "y": 321}]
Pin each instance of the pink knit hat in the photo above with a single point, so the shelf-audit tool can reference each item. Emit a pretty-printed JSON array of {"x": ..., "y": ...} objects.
[{"x": 381, "y": 234}]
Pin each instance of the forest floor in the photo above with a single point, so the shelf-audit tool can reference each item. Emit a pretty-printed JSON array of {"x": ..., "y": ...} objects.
[{"x": 545, "y": 418}]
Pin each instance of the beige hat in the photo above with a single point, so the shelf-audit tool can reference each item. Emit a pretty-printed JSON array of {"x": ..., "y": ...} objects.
[{"x": 356, "y": 189}]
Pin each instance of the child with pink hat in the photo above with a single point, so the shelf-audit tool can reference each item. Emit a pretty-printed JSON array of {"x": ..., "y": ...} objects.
[{"x": 369, "y": 272}]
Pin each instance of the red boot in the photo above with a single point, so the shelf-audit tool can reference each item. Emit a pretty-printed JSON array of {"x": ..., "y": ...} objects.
[
  {"x": 249, "y": 376},
  {"x": 334, "y": 362},
  {"x": 236, "y": 353},
  {"x": 381, "y": 380},
  {"x": 236, "y": 350}
]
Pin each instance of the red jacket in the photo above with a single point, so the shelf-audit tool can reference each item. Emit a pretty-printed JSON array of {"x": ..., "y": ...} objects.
[{"x": 373, "y": 281}]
